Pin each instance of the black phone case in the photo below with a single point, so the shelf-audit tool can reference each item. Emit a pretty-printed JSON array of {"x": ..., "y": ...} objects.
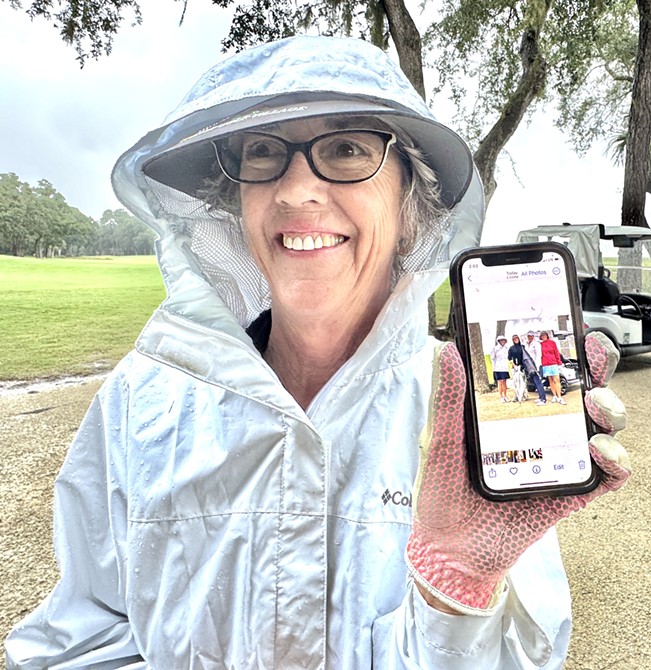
[{"x": 505, "y": 255}]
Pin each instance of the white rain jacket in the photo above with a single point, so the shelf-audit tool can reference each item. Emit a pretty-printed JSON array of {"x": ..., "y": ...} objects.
[
  {"x": 500, "y": 356},
  {"x": 204, "y": 520}
]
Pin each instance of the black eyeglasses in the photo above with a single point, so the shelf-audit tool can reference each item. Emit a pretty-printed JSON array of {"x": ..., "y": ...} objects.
[{"x": 339, "y": 157}]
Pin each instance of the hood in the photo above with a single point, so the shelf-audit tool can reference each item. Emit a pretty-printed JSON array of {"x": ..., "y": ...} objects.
[{"x": 207, "y": 268}]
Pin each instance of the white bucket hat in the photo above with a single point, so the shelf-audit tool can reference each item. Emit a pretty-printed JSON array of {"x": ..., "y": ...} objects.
[{"x": 351, "y": 78}]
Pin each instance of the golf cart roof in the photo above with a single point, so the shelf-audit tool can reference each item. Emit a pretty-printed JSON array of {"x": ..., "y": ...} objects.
[
  {"x": 626, "y": 236},
  {"x": 583, "y": 241}
]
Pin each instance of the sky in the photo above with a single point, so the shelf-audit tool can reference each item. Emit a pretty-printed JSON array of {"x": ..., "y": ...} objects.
[{"x": 69, "y": 125}]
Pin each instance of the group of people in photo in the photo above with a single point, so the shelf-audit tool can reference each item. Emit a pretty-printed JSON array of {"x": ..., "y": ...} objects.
[{"x": 533, "y": 360}]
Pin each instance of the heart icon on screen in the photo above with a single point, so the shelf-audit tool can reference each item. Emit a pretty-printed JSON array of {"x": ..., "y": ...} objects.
[{"x": 513, "y": 471}]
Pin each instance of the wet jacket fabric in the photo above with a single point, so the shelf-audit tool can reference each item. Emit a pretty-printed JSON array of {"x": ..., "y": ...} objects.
[{"x": 204, "y": 520}]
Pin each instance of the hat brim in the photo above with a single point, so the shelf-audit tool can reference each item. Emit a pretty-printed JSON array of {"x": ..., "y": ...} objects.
[{"x": 187, "y": 164}]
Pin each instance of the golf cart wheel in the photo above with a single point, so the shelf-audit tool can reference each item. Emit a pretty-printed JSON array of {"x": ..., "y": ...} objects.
[{"x": 563, "y": 386}]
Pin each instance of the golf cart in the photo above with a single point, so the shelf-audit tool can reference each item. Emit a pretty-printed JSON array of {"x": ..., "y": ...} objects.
[{"x": 624, "y": 317}]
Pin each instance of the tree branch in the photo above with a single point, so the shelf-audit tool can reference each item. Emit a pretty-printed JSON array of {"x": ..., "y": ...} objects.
[
  {"x": 406, "y": 37},
  {"x": 617, "y": 77},
  {"x": 531, "y": 85}
]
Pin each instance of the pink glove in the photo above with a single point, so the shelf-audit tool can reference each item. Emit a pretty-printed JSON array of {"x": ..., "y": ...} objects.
[{"x": 462, "y": 545}]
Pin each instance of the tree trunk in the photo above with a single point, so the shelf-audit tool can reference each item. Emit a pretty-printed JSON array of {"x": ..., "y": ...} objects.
[
  {"x": 638, "y": 145},
  {"x": 531, "y": 85},
  {"x": 500, "y": 328},
  {"x": 637, "y": 174},
  {"x": 406, "y": 38},
  {"x": 629, "y": 273},
  {"x": 479, "y": 373},
  {"x": 431, "y": 311},
  {"x": 407, "y": 41}
]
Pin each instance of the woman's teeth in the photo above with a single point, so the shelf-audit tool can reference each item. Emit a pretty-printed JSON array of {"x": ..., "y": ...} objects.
[{"x": 309, "y": 242}]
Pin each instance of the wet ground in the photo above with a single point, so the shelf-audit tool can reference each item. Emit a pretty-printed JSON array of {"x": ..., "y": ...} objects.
[{"x": 9, "y": 389}]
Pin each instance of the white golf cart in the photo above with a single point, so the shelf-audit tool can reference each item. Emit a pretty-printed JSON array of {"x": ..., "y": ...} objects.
[{"x": 624, "y": 317}]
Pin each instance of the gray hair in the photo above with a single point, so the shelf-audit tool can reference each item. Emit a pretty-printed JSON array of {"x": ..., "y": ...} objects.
[{"x": 421, "y": 211}]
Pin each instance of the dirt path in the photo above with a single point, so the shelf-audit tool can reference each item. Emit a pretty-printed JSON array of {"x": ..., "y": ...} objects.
[
  {"x": 607, "y": 548},
  {"x": 35, "y": 431}
]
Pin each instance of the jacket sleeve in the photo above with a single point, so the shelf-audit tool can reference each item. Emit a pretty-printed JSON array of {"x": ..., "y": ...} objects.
[
  {"x": 83, "y": 622},
  {"x": 530, "y": 629},
  {"x": 559, "y": 358}
]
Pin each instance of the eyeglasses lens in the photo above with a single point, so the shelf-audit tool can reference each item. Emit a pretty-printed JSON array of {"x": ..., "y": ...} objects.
[{"x": 345, "y": 156}]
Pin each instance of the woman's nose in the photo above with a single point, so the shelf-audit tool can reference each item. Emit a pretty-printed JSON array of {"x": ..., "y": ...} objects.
[{"x": 299, "y": 184}]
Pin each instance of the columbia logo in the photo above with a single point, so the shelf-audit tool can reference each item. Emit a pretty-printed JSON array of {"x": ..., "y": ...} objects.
[{"x": 397, "y": 498}]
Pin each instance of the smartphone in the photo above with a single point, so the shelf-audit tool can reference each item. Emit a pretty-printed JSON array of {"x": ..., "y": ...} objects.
[{"x": 527, "y": 428}]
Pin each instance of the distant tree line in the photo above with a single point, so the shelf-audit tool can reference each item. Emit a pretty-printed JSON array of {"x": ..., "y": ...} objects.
[{"x": 37, "y": 221}]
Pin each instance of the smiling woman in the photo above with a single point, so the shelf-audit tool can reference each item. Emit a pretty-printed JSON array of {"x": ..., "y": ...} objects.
[
  {"x": 324, "y": 301},
  {"x": 227, "y": 501}
]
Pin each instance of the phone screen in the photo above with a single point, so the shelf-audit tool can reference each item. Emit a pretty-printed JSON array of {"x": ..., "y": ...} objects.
[{"x": 527, "y": 381}]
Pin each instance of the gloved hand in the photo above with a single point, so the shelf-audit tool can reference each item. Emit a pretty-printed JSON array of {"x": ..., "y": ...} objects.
[{"x": 462, "y": 545}]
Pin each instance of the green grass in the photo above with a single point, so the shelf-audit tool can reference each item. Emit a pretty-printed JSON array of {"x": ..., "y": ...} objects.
[
  {"x": 442, "y": 300},
  {"x": 65, "y": 316}
]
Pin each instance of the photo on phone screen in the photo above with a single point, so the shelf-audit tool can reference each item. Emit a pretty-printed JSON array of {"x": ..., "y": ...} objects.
[{"x": 518, "y": 315}]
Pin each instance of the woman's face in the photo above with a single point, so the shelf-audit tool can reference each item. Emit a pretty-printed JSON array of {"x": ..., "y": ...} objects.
[{"x": 324, "y": 247}]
